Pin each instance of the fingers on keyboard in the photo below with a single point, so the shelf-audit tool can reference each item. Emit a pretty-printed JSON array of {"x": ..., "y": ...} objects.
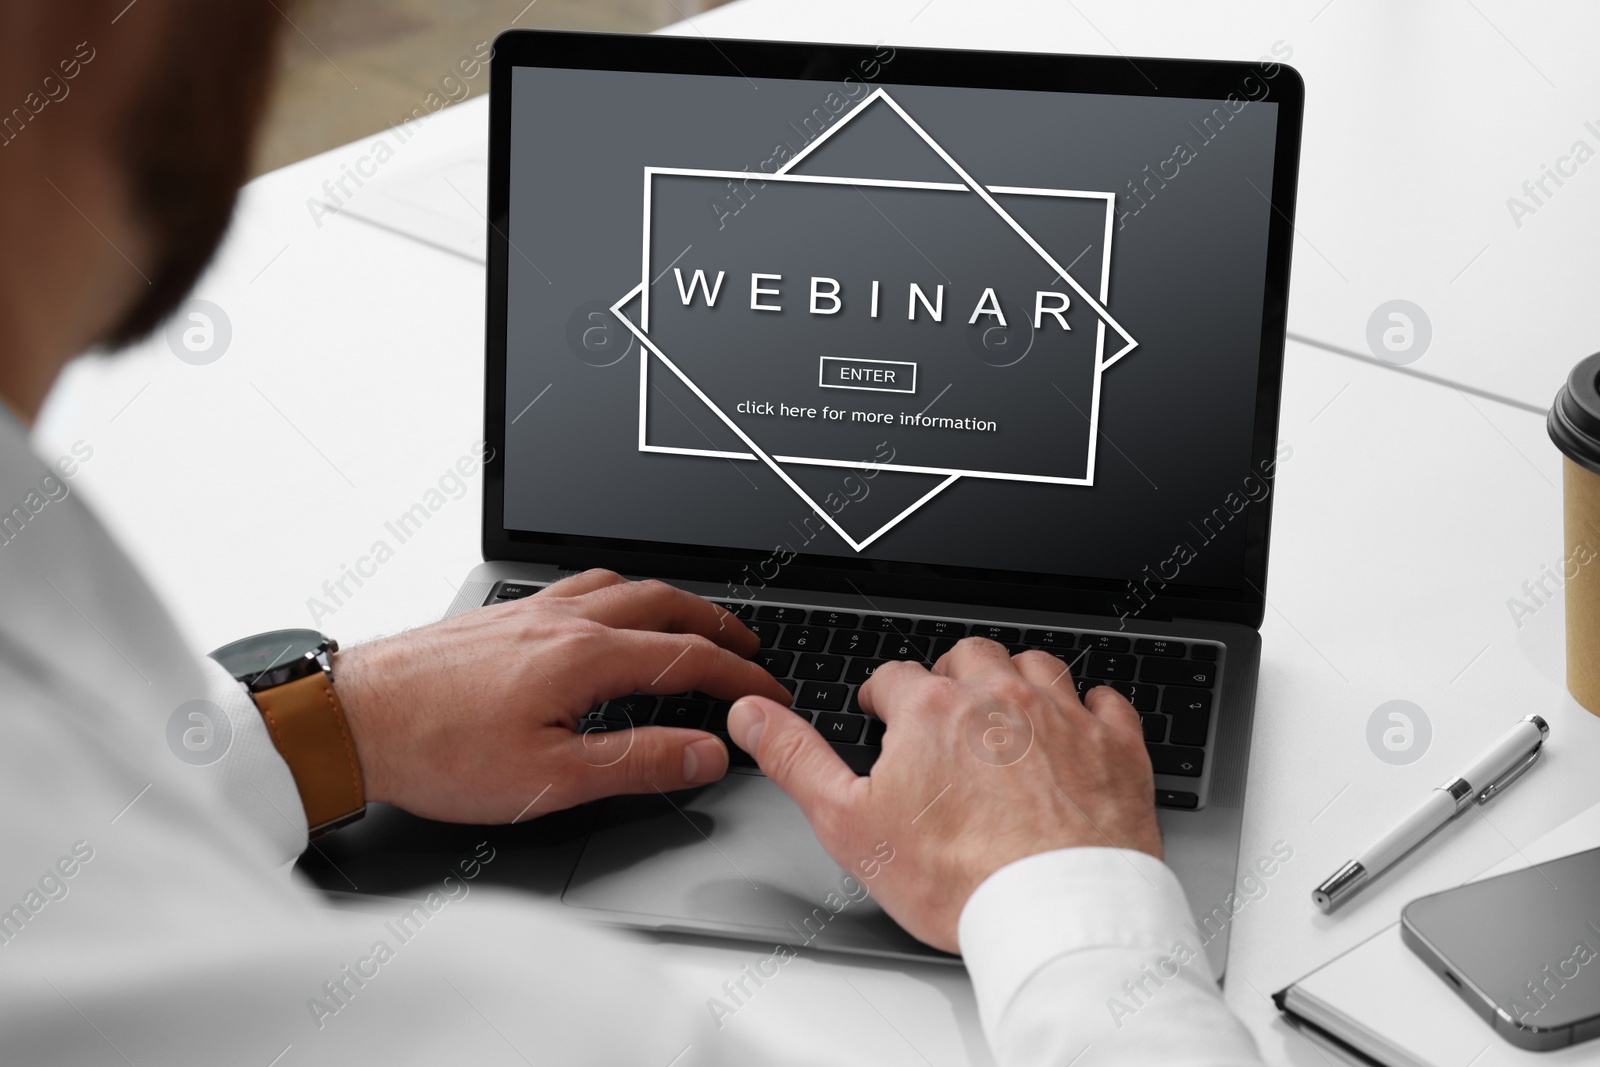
[{"x": 824, "y": 656}]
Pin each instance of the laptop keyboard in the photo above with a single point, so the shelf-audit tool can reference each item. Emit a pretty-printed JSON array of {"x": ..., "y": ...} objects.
[{"x": 823, "y": 656}]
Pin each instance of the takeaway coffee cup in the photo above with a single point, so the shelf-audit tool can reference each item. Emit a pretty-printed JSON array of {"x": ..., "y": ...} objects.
[{"x": 1574, "y": 426}]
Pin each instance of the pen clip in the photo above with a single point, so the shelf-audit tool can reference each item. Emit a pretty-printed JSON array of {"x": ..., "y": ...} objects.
[{"x": 1495, "y": 787}]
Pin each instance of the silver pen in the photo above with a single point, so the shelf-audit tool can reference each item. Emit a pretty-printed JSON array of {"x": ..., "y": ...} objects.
[{"x": 1487, "y": 775}]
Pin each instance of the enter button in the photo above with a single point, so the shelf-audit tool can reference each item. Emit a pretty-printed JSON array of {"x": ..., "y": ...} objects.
[{"x": 875, "y": 375}]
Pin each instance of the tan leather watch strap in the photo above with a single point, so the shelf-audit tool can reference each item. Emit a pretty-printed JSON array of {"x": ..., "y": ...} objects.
[{"x": 308, "y": 727}]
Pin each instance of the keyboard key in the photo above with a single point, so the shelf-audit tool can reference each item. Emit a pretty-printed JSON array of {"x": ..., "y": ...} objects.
[
  {"x": 1155, "y": 727},
  {"x": 635, "y": 709},
  {"x": 1169, "y": 759},
  {"x": 1205, "y": 652},
  {"x": 855, "y": 703},
  {"x": 683, "y": 711},
  {"x": 515, "y": 590},
  {"x": 854, "y": 643},
  {"x": 1073, "y": 658},
  {"x": 767, "y": 631},
  {"x": 804, "y": 638},
  {"x": 941, "y": 645},
  {"x": 891, "y": 624},
  {"x": 804, "y": 713},
  {"x": 821, "y": 696},
  {"x": 1174, "y": 798},
  {"x": 860, "y": 670},
  {"x": 838, "y": 620},
  {"x": 941, "y": 628},
  {"x": 1175, "y": 700},
  {"x": 1053, "y": 638},
  {"x": 1006, "y": 635},
  {"x": 774, "y": 613},
  {"x": 1111, "y": 666},
  {"x": 895, "y": 647},
  {"x": 1105, "y": 642},
  {"x": 858, "y": 758},
  {"x": 1189, "y": 728},
  {"x": 1159, "y": 646},
  {"x": 737, "y": 757},
  {"x": 717, "y": 717},
  {"x": 1177, "y": 672},
  {"x": 1142, "y": 695},
  {"x": 819, "y": 666},
  {"x": 777, "y": 662},
  {"x": 740, "y": 611},
  {"x": 1083, "y": 685},
  {"x": 843, "y": 729},
  {"x": 875, "y": 731}
]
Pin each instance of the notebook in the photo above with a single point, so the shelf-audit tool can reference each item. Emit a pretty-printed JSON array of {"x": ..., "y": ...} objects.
[{"x": 1379, "y": 1004}]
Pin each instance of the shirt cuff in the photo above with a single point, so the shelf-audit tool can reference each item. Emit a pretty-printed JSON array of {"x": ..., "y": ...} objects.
[
  {"x": 252, "y": 775},
  {"x": 1055, "y": 904}
]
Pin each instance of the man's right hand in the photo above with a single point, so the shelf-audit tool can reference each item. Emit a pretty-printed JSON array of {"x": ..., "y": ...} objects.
[{"x": 988, "y": 759}]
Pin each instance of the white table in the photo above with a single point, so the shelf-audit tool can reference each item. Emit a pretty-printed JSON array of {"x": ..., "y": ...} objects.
[{"x": 1408, "y": 514}]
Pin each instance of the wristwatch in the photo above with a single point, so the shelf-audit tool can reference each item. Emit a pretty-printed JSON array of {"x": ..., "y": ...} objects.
[{"x": 290, "y": 677}]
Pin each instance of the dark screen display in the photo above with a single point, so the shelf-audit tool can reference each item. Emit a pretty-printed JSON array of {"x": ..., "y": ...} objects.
[{"x": 984, "y": 328}]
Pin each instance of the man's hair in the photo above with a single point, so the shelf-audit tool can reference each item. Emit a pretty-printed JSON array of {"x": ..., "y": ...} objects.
[{"x": 185, "y": 142}]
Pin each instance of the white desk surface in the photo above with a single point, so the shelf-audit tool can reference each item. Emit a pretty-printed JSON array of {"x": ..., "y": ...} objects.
[{"x": 1407, "y": 516}]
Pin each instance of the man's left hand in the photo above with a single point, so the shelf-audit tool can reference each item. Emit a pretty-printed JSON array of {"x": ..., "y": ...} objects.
[{"x": 475, "y": 718}]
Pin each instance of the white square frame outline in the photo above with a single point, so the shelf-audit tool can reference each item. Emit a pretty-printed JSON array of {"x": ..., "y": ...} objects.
[{"x": 641, "y": 329}]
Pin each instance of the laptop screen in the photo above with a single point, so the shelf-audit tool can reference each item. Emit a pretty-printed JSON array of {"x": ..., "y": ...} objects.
[{"x": 942, "y": 326}]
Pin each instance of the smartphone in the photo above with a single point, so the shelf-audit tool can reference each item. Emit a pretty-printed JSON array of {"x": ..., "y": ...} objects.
[{"x": 1522, "y": 949}]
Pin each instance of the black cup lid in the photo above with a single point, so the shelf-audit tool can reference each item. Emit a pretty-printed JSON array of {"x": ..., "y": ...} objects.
[{"x": 1574, "y": 422}]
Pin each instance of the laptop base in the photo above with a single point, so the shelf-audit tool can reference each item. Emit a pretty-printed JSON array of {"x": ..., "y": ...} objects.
[{"x": 737, "y": 859}]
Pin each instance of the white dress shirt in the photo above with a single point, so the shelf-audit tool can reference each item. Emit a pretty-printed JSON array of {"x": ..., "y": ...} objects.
[{"x": 151, "y": 915}]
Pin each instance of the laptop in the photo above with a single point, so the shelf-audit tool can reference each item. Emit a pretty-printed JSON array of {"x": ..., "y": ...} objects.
[{"x": 881, "y": 348}]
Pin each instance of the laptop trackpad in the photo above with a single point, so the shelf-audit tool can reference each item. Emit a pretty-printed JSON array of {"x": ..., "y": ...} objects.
[{"x": 735, "y": 859}]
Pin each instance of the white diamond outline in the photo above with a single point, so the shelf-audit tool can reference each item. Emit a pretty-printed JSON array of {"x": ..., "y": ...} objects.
[{"x": 1102, "y": 363}]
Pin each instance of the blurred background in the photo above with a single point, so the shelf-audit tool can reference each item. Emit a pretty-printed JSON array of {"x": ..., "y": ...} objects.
[{"x": 353, "y": 67}]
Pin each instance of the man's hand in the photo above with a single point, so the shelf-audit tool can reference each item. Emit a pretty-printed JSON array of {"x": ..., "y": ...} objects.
[
  {"x": 988, "y": 759},
  {"x": 473, "y": 719}
]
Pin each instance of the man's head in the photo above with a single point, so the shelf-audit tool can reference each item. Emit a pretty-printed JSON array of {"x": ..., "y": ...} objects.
[{"x": 116, "y": 183}]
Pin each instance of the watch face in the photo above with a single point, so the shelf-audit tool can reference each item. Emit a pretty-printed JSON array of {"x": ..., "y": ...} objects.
[{"x": 251, "y": 656}]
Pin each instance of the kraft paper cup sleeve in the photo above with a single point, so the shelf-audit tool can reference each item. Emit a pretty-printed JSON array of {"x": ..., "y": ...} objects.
[
  {"x": 1581, "y": 504},
  {"x": 1574, "y": 426}
]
